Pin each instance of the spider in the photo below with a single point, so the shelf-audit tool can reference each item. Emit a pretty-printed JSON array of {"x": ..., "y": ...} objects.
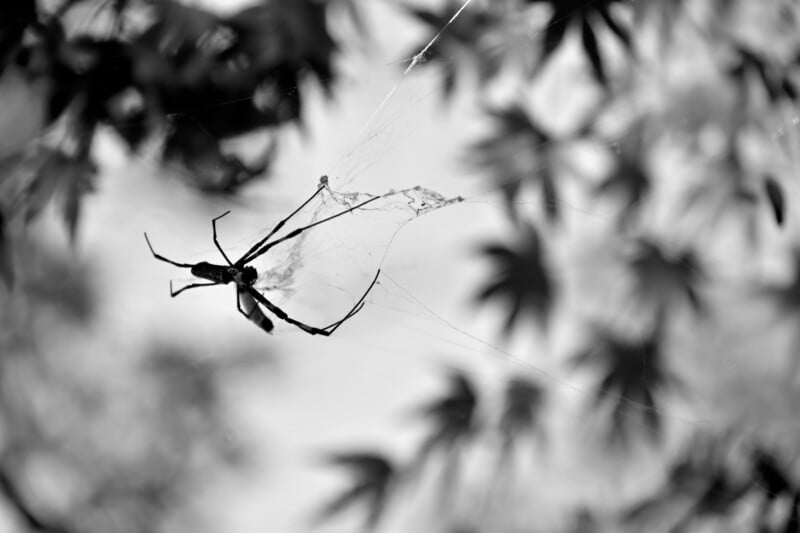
[{"x": 244, "y": 276}]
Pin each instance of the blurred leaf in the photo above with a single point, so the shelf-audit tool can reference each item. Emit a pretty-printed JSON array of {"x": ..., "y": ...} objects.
[
  {"x": 14, "y": 497},
  {"x": 775, "y": 196},
  {"x": 659, "y": 278},
  {"x": 484, "y": 37},
  {"x": 15, "y": 17},
  {"x": 6, "y": 262},
  {"x": 452, "y": 417},
  {"x": 522, "y": 407},
  {"x": 632, "y": 372},
  {"x": 630, "y": 179},
  {"x": 92, "y": 72},
  {"x": 78, "y": 181},
  {"x": 553, "y": 35},
  {"x": 566, "y": 13},
  {"x": 792, "y": 524},
  {"x": 770, "y": 477},
  {"x": 519, "y": 151},
  {"x": 521, "y": 278},
  {"x": 593, "y": 52},
  {"x": 750, "y": 64},
  {"x": 207, "y": 167},
  {"x": 373, "y": 477},
  {"x": 700, "y": 478}
]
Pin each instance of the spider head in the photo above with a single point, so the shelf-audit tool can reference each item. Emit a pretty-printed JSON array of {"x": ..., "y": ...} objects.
[{"x": 249, "y": 275}]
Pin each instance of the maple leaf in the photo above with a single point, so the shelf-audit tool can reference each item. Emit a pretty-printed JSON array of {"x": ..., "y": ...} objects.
[
  {"x": 373, "y": 478},
  {"x": 749, "y": 64},
  {"x": 484, "y": 38},
  {"x": 6, "y": 263},
  {"x": 775, "y": 196},
  {"x": 521, "y": 278},
  {"x": 522, "y": 406},
  {"x": 660, "y": 277},
  {"x": 632, "y": 375},
  {"x": 630, "y": 176},
  {"x": 451, "y": 417},
  {"x": 519, "y": 151},
  {"x": 15, "y": 17},
  {"x": 589, "y": 15}
]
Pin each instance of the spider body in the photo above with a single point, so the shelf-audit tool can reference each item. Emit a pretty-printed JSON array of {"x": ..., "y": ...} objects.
[
  {"x": 224, "y": 274},
  {"x": 248, "y": 299}
]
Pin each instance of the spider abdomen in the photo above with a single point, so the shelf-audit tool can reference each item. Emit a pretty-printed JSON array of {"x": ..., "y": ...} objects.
[{"x": 211, "y": 272}]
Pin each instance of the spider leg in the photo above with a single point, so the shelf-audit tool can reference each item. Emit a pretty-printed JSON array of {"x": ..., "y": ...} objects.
[
  {"x": 312, "y": 330},
  {"x": 281, "y": 314},
  {"x": 277, "y": 228},
  {"x": 294, "y": 233},
  {"x": 216, "y": 242},
  {"x": 174, "y": 293},
  {"x": 162, "y": 258},
  {"x": 359, "y": 305}
]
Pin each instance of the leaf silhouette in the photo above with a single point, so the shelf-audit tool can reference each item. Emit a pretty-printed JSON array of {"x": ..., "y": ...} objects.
[
  {"x": 522, "y": 406},
  {"x": 750, "y": 64},
  {"x": 521, "y": 278},
  {"x": 769, "y": 476},
  {"x": 519, "y": 151},
  {"x": 659, "y": 278},
  {"x": 775, "y": 196},
  {"x": 373, "y": 477},
  {"x": 593, "y": 52},
  {"x": 566, "y": 13},
  {"x": 631, "y": 376},
  {"x": 451, "y": 417},
  {"x": 701, "y": 477},
  {"x": 630, "y": 177},
  {"x": 484, "y": 38},
  {"x": 14, "y": 18},
  {"x": 6, "y": 264},
  {"x": 792, "y": 523},
  {"x": 464, "y": 36},
  {"x": 70, "y": 177}
]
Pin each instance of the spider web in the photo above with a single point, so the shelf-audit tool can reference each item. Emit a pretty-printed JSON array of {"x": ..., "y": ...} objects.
[
  {"x": 335, "y": 261},
  {"x": 321, "y": 272}
]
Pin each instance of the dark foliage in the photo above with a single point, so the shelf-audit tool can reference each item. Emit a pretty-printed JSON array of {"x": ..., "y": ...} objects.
[
  {"x": 716, "y": 487},
  {"x": 14, "y": 18},
  {"x": 518, "y": 152},
  {"x": 589, "y": 15},
  {"x": 490, "y": 37},
  {"x": 775, "y": 197},
  {"x": 521, "y": 277},
  {"x": 6, "y": 262},
  {"x": 522, "y": 408},
  {"x": 452, "y": 417},
  {"x": 660, "y": 276},
  {"x": 773, "y": 77},
  {"x": 630, "y": 179},
  {"x": 473, "y": 37},
  {"x": 373, "y": 477},
  {"x": 632, "y": 373},
  {"x": 195, "y": 77}
]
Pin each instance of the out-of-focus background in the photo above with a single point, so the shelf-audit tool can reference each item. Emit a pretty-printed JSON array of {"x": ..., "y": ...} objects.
[{"x": 585, "y": 318}]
